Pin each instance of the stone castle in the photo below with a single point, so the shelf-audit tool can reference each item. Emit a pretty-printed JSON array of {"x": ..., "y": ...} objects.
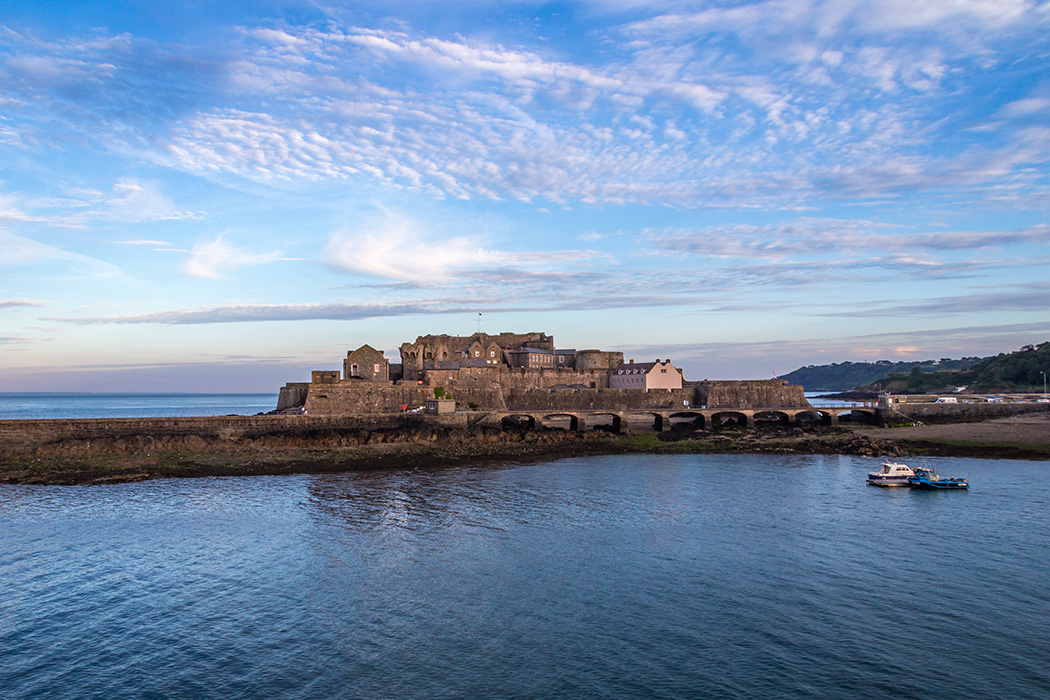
[{"x": 514, "y": 370}]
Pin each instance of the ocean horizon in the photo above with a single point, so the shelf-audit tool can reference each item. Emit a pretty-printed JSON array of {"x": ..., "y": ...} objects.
[{"x": 76, "y": 404}]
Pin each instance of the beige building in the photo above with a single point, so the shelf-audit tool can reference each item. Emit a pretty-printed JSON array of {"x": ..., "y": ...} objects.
[{"x": 646, "y": 375}]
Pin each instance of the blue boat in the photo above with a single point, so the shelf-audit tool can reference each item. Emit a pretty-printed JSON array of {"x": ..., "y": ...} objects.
[{"x": 929, "y": 479}]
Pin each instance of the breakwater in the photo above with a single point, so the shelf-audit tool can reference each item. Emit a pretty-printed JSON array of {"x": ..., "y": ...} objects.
[
  {"x": 929, "y": 411},
  {"x": 124, "y": 449}
]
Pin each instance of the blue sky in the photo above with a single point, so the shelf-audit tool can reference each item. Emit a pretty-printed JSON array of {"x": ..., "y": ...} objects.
[{"x": 224, "y": 196}]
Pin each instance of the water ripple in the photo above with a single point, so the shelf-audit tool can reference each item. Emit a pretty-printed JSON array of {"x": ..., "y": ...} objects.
[{"x": 629, "y": 577}]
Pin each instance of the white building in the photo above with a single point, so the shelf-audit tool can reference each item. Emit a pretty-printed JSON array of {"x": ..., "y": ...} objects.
[{"x": 646, "y": 375}]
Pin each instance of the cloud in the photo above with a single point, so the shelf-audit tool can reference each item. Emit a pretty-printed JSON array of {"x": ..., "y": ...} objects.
[
  {"x": 15, "y": 303},
  {"x": 768, "y": 104},
  {"x": 144, "y": 243},
  {"x": 829, "y": 18},
  {"x": 217, "y": 259},
  {"x": 20, "y": 252},
  {"x": 141, "y": 201},
  {"x": 820, "y": 237},
  {"x": 1033, "y": 297},
  {"x": 245, "y": 313},
  {"x": 400, "y": 247}
]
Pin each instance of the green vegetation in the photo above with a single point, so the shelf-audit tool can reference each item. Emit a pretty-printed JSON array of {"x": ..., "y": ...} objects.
[
  {"x": 848, "y": 375},
  {"x": 1016, "y": 371},
  {"x": 439, "y": 392}
]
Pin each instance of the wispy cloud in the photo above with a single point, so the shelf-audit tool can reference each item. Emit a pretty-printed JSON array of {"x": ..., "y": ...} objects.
[
  {"x": 1026, "y": 298},
  {"x": 820, "y": 237},
  {"x": 662, "y": 119},
  {"x": 15, "y": 303},
  {"x": 397, "y": 246},
  {"x": 242, "y": 313},
  {"x": 20, "y": 251},
  {"x": 218, "y": 258}
]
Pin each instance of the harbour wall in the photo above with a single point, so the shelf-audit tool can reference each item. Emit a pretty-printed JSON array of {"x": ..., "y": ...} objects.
[{"x": 92, "y": 437}]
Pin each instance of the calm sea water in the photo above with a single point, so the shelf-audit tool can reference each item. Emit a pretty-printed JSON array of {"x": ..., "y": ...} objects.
[
  {"x": 44, "y": 405},
  {"x": 693, "y": 576}
]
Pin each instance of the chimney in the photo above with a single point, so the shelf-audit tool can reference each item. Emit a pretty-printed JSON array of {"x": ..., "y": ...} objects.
[{"x": 631, "y": 362}]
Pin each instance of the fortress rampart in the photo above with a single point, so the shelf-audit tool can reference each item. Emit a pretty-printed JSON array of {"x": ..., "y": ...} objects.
[
  {"x": 494, "y": 372},
  {"x": 747, "y": 394},
  {"x": 535, "y": 390}
]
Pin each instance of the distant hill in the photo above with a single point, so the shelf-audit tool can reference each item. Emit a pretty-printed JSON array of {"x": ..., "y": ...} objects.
[
  {"x": 1003, "y": 372},
  {"x": 844, "y": 376}
]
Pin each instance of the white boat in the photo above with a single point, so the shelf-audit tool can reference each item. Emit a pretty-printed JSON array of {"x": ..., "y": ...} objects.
[{"x": 892, "y": 474}]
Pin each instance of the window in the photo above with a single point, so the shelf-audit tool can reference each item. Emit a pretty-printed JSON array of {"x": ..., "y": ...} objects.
[
  {"x": 375, "y": 368},
  {"x": 663, "y": 371}
]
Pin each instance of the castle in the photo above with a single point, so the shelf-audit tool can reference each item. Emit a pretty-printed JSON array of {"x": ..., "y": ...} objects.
[{"x": 495, "y": 372}]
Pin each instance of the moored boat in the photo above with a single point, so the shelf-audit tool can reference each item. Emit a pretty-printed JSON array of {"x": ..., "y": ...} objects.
[
  {"x": 928, "y": 479},
  {"x": 892, "y": 474}
]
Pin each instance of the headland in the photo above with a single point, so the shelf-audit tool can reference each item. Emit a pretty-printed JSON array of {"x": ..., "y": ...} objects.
[{"x": 457, "y": 400}]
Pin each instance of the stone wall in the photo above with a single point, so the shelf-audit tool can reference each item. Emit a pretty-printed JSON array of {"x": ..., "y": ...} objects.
[
  {"x": 441, "y": 348},
  {"x": 499, "y": 388},
  {"x": 387, "y": 397},
  {"x": 292, "y": 395},
  {"x": 765, "y": 393},
  {"x": 515, "y": 379},
  {"x": 587, "y": 360},
  {"x": 86, "y": 437},
  {"x": 956, "y": 412},
  {"x": 618, "y": 399}
]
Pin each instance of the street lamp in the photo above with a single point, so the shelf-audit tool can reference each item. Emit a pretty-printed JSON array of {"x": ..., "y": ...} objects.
[{"x": 1044, "y": 383}]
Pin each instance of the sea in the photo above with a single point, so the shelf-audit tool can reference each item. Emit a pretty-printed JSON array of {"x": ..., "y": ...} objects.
[
  {"x": 622, "y": 576},
  {"x": 84, "y": 405}
]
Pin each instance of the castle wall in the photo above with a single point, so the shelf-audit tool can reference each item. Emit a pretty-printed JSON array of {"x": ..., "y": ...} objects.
[
  {"x": 440, "y": 348},
  {"x": 593, "y": 360},
  {"x": 616, "y": 399},
  {"x": 386, "y": 397},
  {"x": 763, "y": 393},
  {"x": 292, "y": 395}
]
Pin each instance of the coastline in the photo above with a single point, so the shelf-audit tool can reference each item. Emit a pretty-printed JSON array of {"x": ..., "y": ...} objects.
[{"x": 127, "y": 457}]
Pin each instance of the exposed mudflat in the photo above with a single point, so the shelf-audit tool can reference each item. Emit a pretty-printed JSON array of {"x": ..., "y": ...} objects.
[
  {"x": 1029, "y": 432},
  {"x": 139, "y": 457}
]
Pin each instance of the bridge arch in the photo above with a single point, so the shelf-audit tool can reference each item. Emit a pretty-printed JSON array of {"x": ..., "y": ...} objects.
[
  {"x": 557, "y": 421},
  {"x": 603, "y": 421},
  {"x": 729, "y": 419},
  {"x": 813, "y": 417},
  {"x": 857, "y": 415},
  {"x": 771, "y": 417},
  {"x": 644, "y": 420},
  {"x": 518, "y": 421},
  {"x": 692, "y": 419}
]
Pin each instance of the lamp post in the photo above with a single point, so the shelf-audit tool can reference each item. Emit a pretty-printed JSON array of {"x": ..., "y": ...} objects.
[{"x": 1044, "y": 383}]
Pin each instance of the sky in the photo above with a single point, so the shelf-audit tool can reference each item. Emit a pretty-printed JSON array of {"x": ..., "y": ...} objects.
[{"x": 224, "y": 196}]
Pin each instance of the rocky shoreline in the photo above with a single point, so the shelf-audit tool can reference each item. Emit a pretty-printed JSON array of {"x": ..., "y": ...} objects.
[{"x": 134, "y": 457}]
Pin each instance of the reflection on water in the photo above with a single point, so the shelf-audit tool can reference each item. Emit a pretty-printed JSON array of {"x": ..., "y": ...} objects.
[{"x": 641, "y": 576}]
